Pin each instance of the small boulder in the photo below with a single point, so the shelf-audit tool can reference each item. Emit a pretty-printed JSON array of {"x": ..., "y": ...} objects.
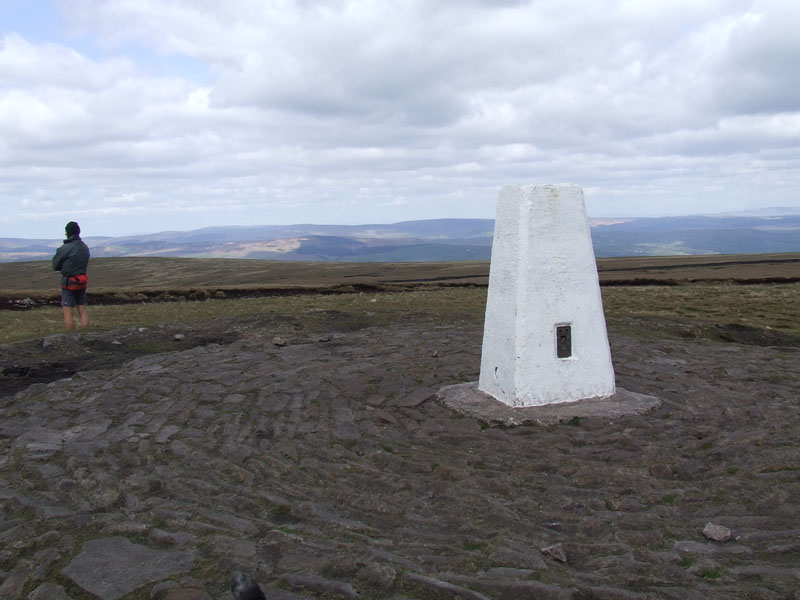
[
  {"x": 716, "y": 533},
  {"x": 556, "y": 552},
  {"x": 52, "y": 340}
]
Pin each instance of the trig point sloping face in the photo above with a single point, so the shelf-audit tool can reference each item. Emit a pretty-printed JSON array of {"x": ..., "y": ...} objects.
[{"x": 545, "y": 336}]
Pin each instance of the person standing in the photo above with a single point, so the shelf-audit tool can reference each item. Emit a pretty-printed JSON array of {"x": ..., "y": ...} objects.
[{"x": 72, "y": 259}]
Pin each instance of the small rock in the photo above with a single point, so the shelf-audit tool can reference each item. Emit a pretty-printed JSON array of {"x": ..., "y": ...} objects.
[
  {"x": 12, "y": 585},
  {"x": 24, "y": 302},
  {"x": 223, "y": 545},
  {"x": 513, "y": 559},
  {"x": 689, "y": 469},
  {"x": 52, "y": 339},
  {"x": 47, "y": 539},
  {"x": 160, "y": 589},
  {"x": 716, "y": 533},
  {"x": 116, "y": 343},
  {"x": 128, "y": 528},
  {"x": 435, "y": 354},
  {"x": 318, "y": 585},
  {"x": 180, "y": 538},
  {"x": 379, "y": 576},
  {"x": 48, "y": 591},
  {"x": 186, "y": 594},
  {"x": 437, "y": 588},
  {"x": 692, "y": 547},
  {"x": 104, "y": 498},
  {"x": 556, "y": 552},
  {"x": 661, "y": 471},
  {"x": 179, "y": 336},
  {"x": 704, "y": 565},
  {"x": 278, "y": 341}
]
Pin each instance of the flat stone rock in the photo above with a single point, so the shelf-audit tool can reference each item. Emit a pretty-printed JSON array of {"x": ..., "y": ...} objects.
[
  {"x": 12, "y": 585},
  {"x": 468, "y": 400},
  {"x": 224, "y": 545},
  {"x": 513, "y": 588},
  {"x": 692, "y": 547},
  {"x": 321, "y": 585},
  {"x": 274, "y": 593},
  {"x": 441, "y": 588},
  {"x": 113, "y": 567},
  {"x": 186, "y": 594}
]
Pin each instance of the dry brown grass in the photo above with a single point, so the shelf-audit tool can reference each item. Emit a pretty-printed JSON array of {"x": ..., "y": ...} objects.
[
  {"x": 127, "y": 274},
  {"x": 369, "y": 309},
  {"x": 107, "y": 274},
  {"x": 700, "y": 297},
  {"x": 765, "y": 306}
]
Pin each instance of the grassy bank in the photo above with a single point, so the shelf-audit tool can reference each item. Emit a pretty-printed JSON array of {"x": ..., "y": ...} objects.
[
  {"x": 767, "y": 306},
  {"x": 764, "y": 306}
]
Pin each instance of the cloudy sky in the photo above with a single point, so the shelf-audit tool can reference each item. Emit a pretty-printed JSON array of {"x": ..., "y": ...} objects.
[{"x": 134, "y": 116}]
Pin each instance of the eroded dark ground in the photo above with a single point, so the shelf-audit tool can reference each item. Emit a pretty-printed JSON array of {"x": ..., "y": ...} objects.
[{"x": 323, "y": 465}]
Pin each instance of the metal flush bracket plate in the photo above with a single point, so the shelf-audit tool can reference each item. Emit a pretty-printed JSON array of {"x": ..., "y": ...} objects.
[{"x": 564, "y": 341}]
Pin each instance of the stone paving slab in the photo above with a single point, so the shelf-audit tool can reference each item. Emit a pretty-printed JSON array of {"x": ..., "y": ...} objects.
[
  {"x": 324, "y": 467},
  {"x": 112, "y": 567}
]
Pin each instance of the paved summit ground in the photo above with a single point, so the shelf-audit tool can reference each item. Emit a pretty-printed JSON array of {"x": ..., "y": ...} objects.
[{"x": 323, "y": 465}]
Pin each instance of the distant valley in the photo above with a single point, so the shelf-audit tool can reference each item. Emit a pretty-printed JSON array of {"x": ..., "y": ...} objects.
[{"x": 435, "y": 240}]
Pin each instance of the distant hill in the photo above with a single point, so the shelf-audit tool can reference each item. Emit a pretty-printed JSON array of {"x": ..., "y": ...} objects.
[
  {"x": 698, "y": 235},
  {"x": 437, "y": 240}
]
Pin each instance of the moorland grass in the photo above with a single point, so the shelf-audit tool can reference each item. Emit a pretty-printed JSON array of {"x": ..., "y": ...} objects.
[
  {"x": 370, "y": 309},
  {"x": 763, "y": 306},
  {"x": 130, "y": 274}
]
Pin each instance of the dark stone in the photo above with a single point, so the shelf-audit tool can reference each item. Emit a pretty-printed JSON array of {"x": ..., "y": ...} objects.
[
  {"x": 111, "y": 568},
  {"x": 48, "y": 591}
]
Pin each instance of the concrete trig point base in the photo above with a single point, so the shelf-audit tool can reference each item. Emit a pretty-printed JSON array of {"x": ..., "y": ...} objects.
[
  {"x": 468, "y": 400},
  {"x": 544, "y": 340}
]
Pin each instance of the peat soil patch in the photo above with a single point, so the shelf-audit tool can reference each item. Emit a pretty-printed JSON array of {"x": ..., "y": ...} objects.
[
  {"x": 671, "y": 328},
  {"x": 43, "y": 360},
  {"x": 119, "y": 297},
  {"x": 48, "y": 359}
]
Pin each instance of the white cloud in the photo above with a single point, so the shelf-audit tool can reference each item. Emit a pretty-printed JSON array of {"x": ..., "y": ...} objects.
[
  {"x": 297, "y": 110},
  {"x": 24, "y": 64}
]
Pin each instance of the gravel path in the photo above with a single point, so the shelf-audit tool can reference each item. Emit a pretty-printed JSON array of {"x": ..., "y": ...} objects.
[{"x": 323, "y": 466}]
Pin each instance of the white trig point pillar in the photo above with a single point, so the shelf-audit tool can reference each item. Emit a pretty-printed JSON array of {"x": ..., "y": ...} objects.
[{"x": 544, "y": 339}]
